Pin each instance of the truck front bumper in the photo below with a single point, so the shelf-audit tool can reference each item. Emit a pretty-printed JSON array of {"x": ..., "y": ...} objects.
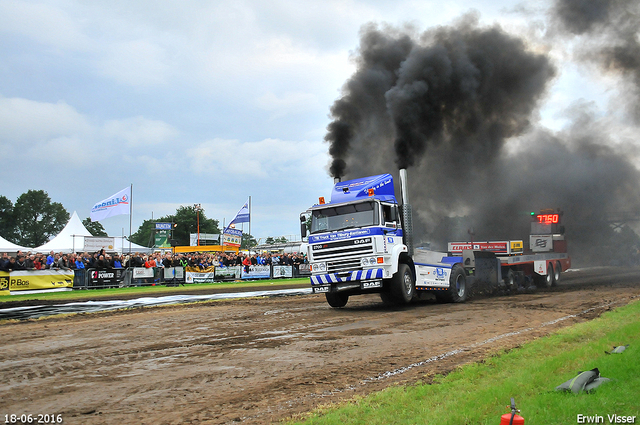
[{"x": 362, "y": 279}]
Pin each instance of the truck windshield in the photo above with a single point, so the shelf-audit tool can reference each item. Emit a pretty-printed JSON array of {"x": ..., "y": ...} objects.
[{"x": 342, "y": 217}]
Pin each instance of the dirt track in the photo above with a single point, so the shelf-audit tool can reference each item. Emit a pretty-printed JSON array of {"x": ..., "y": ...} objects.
[{"x": 263, "y": 360}]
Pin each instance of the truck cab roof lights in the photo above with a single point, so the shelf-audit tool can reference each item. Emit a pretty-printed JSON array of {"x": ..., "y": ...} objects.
[
  {"x": 321, "y": 200},
  {"x": 371, "y": 192}
]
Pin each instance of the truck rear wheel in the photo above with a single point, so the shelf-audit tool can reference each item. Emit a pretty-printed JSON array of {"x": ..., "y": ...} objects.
[
  {"x": 510, "y": 281},
  {"x": 337, "y": 299},
  {"x": 457, "y": 291},
  {"x": 549, "y": 278},
  {"x": 556, "y": 275},
  {"x": 403, "y": 286}
]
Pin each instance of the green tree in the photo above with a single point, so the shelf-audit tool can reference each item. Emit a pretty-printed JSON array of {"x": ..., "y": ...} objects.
[
  {"x": 269, "y": 241},
  {"x": 37, "y": 218},
  {"x": 281, "y": 239},
  {"x": 95, "y": 227},
  {"x": 185, "y": 221},
  {"x": 248, "y": 241},
  {"x": 7, "y": 220}
]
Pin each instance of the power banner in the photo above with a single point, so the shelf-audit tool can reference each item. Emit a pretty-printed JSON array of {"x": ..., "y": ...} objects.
[
  {"x": 106, "y": 278},
  {"x": 27, "y": 280}
]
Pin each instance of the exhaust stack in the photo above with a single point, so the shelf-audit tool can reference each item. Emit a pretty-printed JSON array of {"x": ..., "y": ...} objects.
[{"x": 407, "y": 220}]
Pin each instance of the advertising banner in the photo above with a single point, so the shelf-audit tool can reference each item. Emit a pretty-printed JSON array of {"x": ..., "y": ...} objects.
[
  {"x": 142, "y": 272},
  {"x": 304, "y": 269},
  {"x": 232, "y": 272},
  {"x": 162, "y": 239},
  {"x": 96, "y": 243},
  {"x": 4, "y": 283},
  {"x": 174, "y": 273},
  {"x": 199, "y": 277},
  {"x": 24, "y": 280},
  {"x": 106, "y": 278},
  {"x": 257, "y": 272},
  {"x": 282, "y": 271},
  {"x": 232, "y": 237}
]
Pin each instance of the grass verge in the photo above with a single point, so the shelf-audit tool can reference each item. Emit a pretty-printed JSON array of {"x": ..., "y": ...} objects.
[
  {"x": 478, "y": 393},
  {"x": 149, "y": 290}
]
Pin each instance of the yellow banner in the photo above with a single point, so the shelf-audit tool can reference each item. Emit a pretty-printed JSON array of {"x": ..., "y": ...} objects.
[
  {"x": 38, "y": 279},
  {"x": 209, "y": 269},
  {"x": 4, "y": 283}
]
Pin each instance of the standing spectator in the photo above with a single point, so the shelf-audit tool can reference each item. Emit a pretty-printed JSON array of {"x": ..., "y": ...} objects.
[
  {"x": 50, "y": 259},
  {"x": 9, "y": 265},
  {"x": 20, "y": 263},
  {"x": 80, "y": 263}
]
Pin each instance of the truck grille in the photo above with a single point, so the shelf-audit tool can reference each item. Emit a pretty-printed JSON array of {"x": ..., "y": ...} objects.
[{"x": 343, "y": 255}]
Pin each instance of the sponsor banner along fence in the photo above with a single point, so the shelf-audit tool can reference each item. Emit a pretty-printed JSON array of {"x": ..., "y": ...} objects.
[
  {"x": 139, "y": 276},
  {"x": 23, "y": 280}
]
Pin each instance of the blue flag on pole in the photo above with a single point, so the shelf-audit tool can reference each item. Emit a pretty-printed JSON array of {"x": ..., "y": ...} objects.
[{"x": 242, "y": 216}]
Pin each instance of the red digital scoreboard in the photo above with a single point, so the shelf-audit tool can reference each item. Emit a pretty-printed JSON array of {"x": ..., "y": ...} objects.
[{"x": 548, "y": 218}]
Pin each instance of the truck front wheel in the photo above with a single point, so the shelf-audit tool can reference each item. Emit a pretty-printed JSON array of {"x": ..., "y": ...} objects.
[
  {"x": 403, "y": 286},
  {"x": 457, "y": 291},
  {"x": 337, "y": 299}
]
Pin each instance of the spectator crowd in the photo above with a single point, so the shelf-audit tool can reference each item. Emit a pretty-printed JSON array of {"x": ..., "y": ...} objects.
[{"x": 104, "y": 260}]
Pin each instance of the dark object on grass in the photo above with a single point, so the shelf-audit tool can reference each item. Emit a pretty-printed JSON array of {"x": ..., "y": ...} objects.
[
  {"x": 617, "y": 350},
  {"x": 585, "y": 381}
]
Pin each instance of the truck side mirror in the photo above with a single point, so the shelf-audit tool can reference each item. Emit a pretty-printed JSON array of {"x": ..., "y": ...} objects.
[{"x": 303, "y": 226}]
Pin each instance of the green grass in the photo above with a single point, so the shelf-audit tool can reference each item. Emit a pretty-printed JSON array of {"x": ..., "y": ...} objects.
[
  {"x": 149, "y": 290},
  {"x": 478, "y": 393}
]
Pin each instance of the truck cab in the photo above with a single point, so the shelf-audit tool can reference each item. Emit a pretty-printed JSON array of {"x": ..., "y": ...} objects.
[{"x": 357, "y": 245}]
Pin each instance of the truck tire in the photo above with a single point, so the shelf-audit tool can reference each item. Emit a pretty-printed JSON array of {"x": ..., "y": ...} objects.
[
  {"x": 556, "y": 275},
  {"x": 510, "y": 281},
  {"x": 387, "y": 298},
  {"x": 545, "y": 281},
  {"x": 403, "y": 286},
  {"x": 337, "y": 299},
  {"x": 457, "y": 291}
]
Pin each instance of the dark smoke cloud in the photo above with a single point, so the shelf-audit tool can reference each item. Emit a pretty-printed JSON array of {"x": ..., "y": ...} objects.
[
  {"x": 458, "y": 106},
  {"x": 467, "y": 87},
  {"x": 609, "y": 37}
]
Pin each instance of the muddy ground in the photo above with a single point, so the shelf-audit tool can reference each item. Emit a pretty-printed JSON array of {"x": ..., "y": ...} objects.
[{"x": 265, "y": 360}]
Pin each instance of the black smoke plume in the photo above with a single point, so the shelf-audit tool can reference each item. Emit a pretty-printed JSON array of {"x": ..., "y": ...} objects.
[
  {"x": 457, "y": 106},
  {"x": 608, "y": 34}
]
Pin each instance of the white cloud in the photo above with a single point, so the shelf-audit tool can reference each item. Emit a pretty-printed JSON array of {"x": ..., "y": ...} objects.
[
  {"x": 139, "y": 131},
  {"x": 43, "y": 23},
  {"x": 267, "y": 159},
  {"x": 28, "y": 121}
]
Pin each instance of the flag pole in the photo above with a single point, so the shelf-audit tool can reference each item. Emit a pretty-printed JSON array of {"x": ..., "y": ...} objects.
[
  {"x": 249, "y": 222},
  {"x": 130, "y": 216}
]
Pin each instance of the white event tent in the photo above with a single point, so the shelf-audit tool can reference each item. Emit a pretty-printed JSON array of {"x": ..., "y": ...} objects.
[
  {"x": 6, "y": 246},
  {"x": 71, "y": 239}
]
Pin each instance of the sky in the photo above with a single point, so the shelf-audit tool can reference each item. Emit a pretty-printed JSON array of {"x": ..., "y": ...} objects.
[{"x": 205, "y": 102}]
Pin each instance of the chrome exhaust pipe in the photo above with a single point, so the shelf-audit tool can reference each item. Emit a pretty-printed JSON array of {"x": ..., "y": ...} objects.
[{"x": 407, "y": 219}]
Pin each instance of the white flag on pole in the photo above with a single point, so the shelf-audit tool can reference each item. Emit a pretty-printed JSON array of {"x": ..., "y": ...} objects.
[{"x": 117, "y": 204}]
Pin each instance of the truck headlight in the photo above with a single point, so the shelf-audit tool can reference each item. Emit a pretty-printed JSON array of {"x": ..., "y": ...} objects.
[
  {"x": 368, "y": 261},
  {"x": 319, "y": 267}
]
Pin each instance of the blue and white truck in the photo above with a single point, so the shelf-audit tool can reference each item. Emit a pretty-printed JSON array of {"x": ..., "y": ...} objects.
[{"x": 361, "y": 242}]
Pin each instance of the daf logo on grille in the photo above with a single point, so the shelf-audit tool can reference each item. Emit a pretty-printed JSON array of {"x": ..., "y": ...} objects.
[{"x": 361, "y": 241}]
